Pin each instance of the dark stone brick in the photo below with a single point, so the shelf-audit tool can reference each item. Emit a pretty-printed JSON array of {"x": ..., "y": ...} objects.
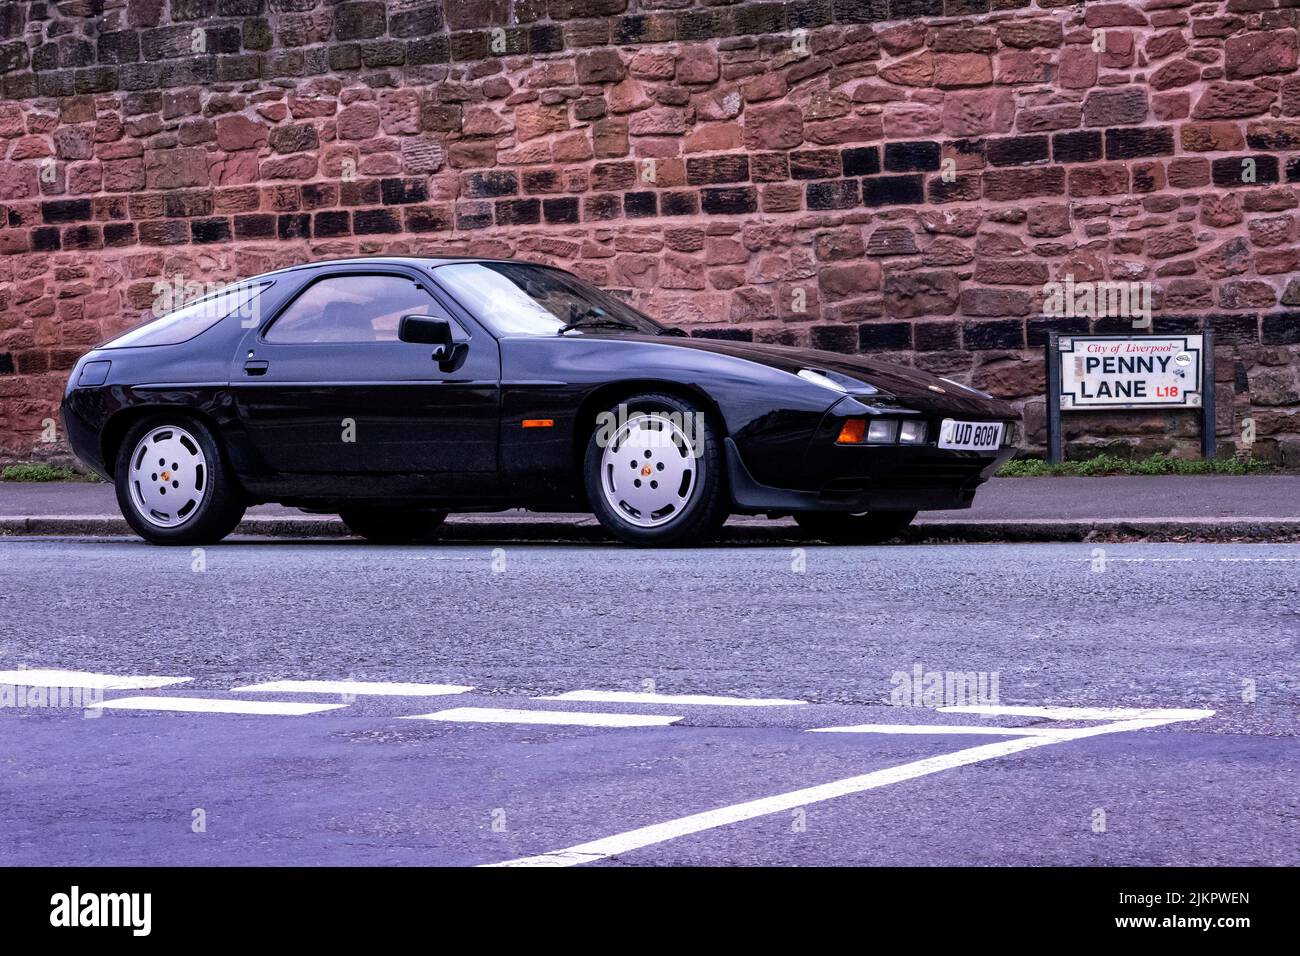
[
  {"x": 164, "y": 232},
  {"x": 518, "y": 212},
  {"x": 330, "y": 223},
  {"x": 401, "y": 191},
  {"x": 937, "y": 336},
  {"x": 435, "y": 49},
  {"x": 1131, "y": 142},
  {"x": 368, "y": 222},
  {"x": 704, "y": 24},
  {"x": 1014, "y": 150},
  {"x": 860, "y": 11},
  {"x": 884, "y": 336},
  {"x": 546, "y": 38},
  {"x": 491, "y": 183},
  {"x": 701, "y": 170},
  {"x": 293, "y": 225},
  {"x": 998, "y": 334},
  {"x": 833, "y": 194},
  {"x": 808, "y": 14},
  {"x": 679, "y": 204},
  {"x": 911, "y": 157},
  {"x": 255, "y": 226},
  {"x": 861, "y": 160},
  {"x": 911, "y": 9},
  {"x": 815, "y": 164},
  {"x": 1078, "y": 146},
  {"x": 119, "y": 234},
  {"x": 1281, "y": 328},
  {"x": 726, "y": 335},
  {"x": 120, "y": 47},
  {"x": 962, "y": 188},
  {"x": 732, "y": 201},
  {"x": 66, "y": 210},
  {"x": 428, "y": 218},
  {"x": 1233, "y": 328},
  {"x": 759, "y": 18},
  {"x": 359, "y": 21},
  {"x": 892, "y": 190},
  {"x": 45, "y": 239},
  {"x": 210, "y": 230},
  {"x": 637, "y": 205},
  {"x": 1293, "y": 169},
  {"x": 183, "y": 203},
  {"x": 319, "y": 195},
  {"x": 1230, "y": 171},
  {"x": 542, "y": 181},
  {"x": 418, "y": 22},
  {"x": 602, "y": 206},
  {"x": 363, "y": 192},
  {"x": 833, "y": 338},
  {"x": 560, "y": 210},
  {"x": 1280, "y": 138},
  {"x": 1037, "y": 329},
  {"x": 83, "y": 237}
]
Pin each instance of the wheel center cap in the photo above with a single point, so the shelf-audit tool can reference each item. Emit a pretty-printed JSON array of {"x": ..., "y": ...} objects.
[
  {"x": 645, "y": 471},
  {"x": 166, "y": 476}
]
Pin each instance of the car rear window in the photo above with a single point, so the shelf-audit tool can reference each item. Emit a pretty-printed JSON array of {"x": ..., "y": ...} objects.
[{"x": 184, "y": 323}]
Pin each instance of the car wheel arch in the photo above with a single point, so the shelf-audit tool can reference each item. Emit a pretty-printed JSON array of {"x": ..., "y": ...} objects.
[
  {"x": 607, "y": 396},
  {"x": 120, "y": 424}
]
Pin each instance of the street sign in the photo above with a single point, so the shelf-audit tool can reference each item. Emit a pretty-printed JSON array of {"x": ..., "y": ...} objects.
[{"x": 1130, "y": 371}]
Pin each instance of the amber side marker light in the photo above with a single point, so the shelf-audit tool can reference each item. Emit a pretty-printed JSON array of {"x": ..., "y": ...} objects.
[
  {"x": 539, "y": 422},
  {"x": 852, "y": 432}
]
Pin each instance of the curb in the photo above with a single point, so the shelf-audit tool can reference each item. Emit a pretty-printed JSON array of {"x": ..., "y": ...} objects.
[{"x": 587, "y": 531}]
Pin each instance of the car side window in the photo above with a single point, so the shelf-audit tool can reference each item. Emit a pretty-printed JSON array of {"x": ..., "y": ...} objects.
[{"x": 352, "y": 308}]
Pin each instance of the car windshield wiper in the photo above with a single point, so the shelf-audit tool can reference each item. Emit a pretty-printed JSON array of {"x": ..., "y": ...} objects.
[{"x": 593, "y": 318}]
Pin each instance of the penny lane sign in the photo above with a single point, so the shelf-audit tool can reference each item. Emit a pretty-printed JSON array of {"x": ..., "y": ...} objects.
[{"x": 1129, "y": 372}]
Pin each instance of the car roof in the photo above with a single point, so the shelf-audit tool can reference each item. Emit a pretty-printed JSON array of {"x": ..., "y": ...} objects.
[{"x": 419, "y": 261}]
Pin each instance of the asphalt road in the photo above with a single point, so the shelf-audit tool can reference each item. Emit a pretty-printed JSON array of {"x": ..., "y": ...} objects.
[{"x": 1169, "y": 632}]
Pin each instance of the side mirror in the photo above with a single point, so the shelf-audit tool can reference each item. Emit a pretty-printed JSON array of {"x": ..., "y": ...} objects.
[{"x": 425, "y": 330}]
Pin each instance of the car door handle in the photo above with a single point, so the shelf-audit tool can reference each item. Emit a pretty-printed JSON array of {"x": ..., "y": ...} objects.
[{"x": 256, "y": 368}]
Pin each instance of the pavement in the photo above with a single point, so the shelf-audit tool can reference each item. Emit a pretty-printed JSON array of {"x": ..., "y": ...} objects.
[
  {"x": 1044, "y": 704},
  {"x": 1262, "y": 508}
]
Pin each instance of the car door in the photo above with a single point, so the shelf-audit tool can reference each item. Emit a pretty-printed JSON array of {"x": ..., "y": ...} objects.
[{"x": 326, "y": 387}]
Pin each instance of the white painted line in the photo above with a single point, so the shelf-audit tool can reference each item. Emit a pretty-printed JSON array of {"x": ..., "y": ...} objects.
[
  {"x": 1079, "y": 713},
  {"x": 57, "y": 678},
  {"x": 209, "y": 705},
  {"x": 497, "y": 715},
  {"x": 683, "y": 700},
  {"x": 359, "y": 687},
  {"x": 723, "y": 816},
  {"x": 939, "y": 729}
]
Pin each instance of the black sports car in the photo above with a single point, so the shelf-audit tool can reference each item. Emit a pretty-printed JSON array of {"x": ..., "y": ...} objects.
[{"x": 394, "y": 390}]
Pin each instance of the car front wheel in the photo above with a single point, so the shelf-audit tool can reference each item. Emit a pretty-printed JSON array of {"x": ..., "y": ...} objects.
[
  {"x": 393, "y": 525},
  {"x": 173, "y": 483},
  {"x": 840, "y": 527},
  {"x": 654, "y": 472}
]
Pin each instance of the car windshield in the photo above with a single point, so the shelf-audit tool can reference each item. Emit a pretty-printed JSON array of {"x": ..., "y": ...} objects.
[
  {"x": 519, "y": 299},
  {"x": 182, "y": 324}
]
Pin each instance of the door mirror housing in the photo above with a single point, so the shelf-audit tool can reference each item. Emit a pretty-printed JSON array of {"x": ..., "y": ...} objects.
[{"x": 425, "y": 330}]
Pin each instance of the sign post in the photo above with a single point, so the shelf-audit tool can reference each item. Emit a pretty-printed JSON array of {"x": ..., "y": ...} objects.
[{"x": 1129, "y": 372}]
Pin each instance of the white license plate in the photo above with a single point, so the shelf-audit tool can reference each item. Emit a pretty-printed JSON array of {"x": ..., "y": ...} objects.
[{"x": 970, "y": 436}]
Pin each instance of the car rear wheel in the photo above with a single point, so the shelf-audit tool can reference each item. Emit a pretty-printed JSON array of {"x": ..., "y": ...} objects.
[
  {"x": 393, "y": 525},
  {"x": 654, "y": 473},
  {"x": 173, "y": 483},
  {"x": 840, "y": 527}
]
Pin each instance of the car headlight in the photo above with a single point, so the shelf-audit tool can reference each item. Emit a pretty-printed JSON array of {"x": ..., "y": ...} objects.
[{"x": 911, "y": 432}]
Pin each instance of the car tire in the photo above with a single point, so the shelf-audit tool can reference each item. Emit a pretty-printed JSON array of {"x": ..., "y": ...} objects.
[
  {"x": 840, "y": 527},
  {"x": 174, "y": 453},
  {"x": 628, "y": 454},
  {"x": 393, "y": 525}
]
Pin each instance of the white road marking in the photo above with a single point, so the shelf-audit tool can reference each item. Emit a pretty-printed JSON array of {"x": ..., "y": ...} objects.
[
  {"x": 939, "y": 729},
  {"x": 359, "y": 687},
  {"x": 208, "y": 705},
  {"x": 723, "y": 816},
  {"x": 1077, "y": 713},
  {"x": 58, "y": 678},
  {"x": 499, "y": 715},
  {"x": 684, "y": 700}
]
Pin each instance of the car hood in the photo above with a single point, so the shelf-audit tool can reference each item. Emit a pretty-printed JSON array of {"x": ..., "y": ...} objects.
[{"x": 912, "y": 386}]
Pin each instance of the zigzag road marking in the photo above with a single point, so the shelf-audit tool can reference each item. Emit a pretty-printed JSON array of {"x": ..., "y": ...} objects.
[{"x": 723, "y": 816}]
